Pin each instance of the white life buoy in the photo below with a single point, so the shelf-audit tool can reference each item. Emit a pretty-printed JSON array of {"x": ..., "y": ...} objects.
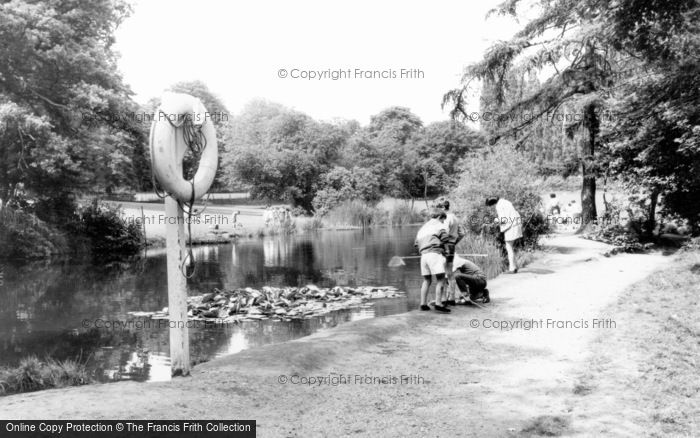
[{"x": 168, "y": 146}]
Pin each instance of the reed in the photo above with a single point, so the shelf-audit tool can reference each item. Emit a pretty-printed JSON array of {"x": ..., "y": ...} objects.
[
  {"x": 359, "y": 214},
  {"x": 473, "y": 243},
  {"x": 33, "y": 374}
]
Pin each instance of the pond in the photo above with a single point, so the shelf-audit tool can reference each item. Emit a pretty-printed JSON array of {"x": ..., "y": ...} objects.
[{"x": 81, "y": 311}]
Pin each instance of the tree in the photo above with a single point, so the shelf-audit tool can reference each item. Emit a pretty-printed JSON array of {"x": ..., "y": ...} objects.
[
  {"x": 418, "y": 177},
  {"x": 395, "y": 125},
  {"x": 31, "y": 154},
  {"x": 566, "y": 38},
  {"x": 341, "y": 184},
  {"x": 654, "y": 137},
  {"x": 281, "y": 154},
  {"x": 447, "y": 143},
  {"x": 59, "y": 71}
]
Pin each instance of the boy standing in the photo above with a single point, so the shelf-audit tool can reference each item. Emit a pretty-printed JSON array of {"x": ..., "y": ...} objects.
[{"x": 430, "y": 241}]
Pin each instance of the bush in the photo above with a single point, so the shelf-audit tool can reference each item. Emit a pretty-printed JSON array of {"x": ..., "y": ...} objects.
[
  {"x": 340, "y": 185},
  {"x": 284, "y": 228},
  {"x": 106, "y": 234},
  {"x": 314, "y": 224},
  {"x": 623, "y": 238},
  {"x": 505, "y": 173},
  {"x": 24, "y": 236}
]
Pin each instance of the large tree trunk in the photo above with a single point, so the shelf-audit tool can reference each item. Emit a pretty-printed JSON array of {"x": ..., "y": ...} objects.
[
  {"x": 651, "y": 214},
  {"x": 588, "y": 171},
  {"x": 588, "y": 208}
]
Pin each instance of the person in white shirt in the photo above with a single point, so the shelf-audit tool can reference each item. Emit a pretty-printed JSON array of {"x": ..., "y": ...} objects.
[{"x": 510, "y": 225}]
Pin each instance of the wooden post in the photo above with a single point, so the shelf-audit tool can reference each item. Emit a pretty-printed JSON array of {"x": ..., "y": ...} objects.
[{"x": 177, "y": 289}]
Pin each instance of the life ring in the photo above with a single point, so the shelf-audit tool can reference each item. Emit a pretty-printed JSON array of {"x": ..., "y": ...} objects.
[{"x": 168, "y": 146}]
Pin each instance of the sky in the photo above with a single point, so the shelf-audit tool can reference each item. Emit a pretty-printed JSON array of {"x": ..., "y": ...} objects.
[{"x": 272, "y": 49}]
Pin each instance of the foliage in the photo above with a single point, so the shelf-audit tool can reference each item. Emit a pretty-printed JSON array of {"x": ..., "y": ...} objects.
[
  {"x": 281, "y": 154},
  {"x": 448, "y": 142},
  {"x": 64, "y": 107},
  {"x": 501, "y": 172},
  {"x": 285, "y": 174},
  {"x": 284, "y": 228},
  {"x": 25, "y": 236},
  {"x": 108, "y": 237},
  {"x": 33, "y": 374},
  {"x": 624, "y": 239},
  {"x": 567, "y": 38},
  {"x": 629, "y": 70},
  {"x": 333, "y": 162},
  {"x": 394, "y": 127},
  {"x": 314, "y": 224},
  {"x": 654, "y": 140},
  {"x": 341, "y": 184}
]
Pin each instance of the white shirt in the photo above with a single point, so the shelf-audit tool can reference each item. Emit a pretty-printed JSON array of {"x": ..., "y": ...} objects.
[{"x": 507, "y": 215}]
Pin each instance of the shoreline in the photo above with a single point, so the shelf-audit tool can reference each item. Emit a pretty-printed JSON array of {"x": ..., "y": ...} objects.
[{"x": 496, "y": 374}]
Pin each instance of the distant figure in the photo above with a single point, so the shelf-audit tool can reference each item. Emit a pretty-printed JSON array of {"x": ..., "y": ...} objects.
[
  {"x": 268, "y": 216},
  {"x": 234, "y": 218},
  {"x": 277, "y": 216},
  {"x": 470, "y": 279},
  {"x": 554, "y": 208},
  {"x": 510, "y": 225},
  {"x": 430, "y": 241}
]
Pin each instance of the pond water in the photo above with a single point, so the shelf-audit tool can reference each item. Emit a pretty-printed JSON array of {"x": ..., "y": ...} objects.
[{"x": 81, "y": 311}]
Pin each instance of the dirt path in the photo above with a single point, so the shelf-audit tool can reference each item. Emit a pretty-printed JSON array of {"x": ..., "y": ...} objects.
[{"x": 465, "y": 376}]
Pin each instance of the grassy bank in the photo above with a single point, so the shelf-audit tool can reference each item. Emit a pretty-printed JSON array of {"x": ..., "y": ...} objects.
[
  {"x": 33, "y": 374},
  {"x": 650, "y": 361}
]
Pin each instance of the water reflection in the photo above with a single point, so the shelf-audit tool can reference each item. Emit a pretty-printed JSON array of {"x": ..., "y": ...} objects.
[{"x": 68, "y": 310}]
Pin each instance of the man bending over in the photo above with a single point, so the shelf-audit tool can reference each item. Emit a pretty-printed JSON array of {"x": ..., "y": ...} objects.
[{"x": 470, "y": 278}]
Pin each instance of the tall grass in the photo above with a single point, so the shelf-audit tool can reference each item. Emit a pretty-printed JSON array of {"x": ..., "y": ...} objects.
[
  {"x": 359, "y": 214},
  {"x": 33, "y": 374},
  {"x": 473, "y": 243},
  {"x": 312, "y": 224},
  {"x": 353, "y": 213},
  {"x": 403, "y": 214}
]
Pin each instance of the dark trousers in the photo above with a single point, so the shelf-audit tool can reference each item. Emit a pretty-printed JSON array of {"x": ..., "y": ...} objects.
[{"x": 475, "y": 285}]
